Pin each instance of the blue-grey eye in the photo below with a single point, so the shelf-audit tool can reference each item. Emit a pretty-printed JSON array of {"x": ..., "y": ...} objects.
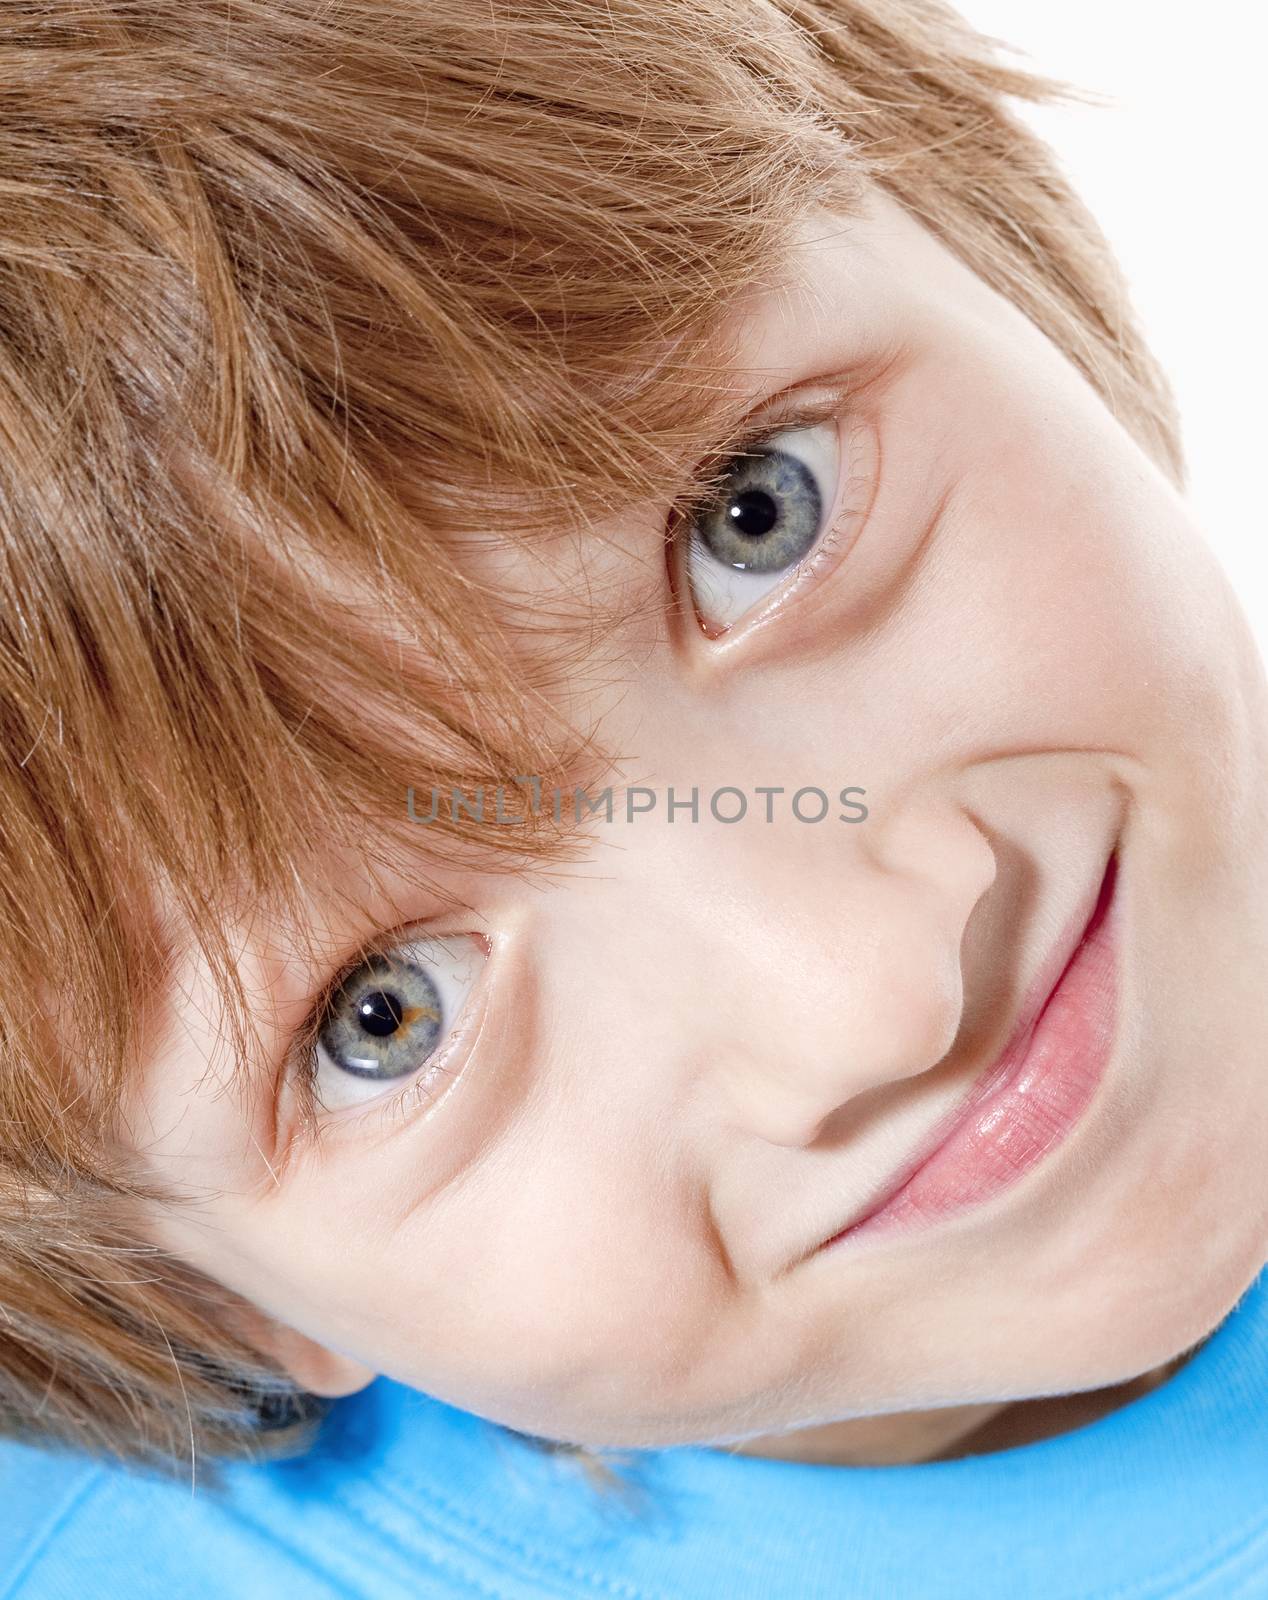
[
  {"x": 767, "y": 518},
  {"x": 391, "y": 1015}
]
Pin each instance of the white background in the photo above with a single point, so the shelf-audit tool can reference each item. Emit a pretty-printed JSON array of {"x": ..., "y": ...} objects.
[{"x": 1173, "y": 168}]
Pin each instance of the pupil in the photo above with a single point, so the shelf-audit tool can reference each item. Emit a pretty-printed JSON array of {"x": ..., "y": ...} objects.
[
  {"x": 752, "y": 513},
  {"x": 380, "y": 1013}
]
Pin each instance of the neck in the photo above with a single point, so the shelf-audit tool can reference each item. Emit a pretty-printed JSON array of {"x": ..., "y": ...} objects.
[{"x": 950, "y": 1432}]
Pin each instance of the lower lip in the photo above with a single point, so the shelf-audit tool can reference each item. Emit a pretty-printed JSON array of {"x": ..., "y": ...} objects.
[{"x": 1035, "y": 1094}]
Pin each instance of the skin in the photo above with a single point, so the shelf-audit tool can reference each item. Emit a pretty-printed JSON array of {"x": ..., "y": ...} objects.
[{"x": 698, "y": 1052}]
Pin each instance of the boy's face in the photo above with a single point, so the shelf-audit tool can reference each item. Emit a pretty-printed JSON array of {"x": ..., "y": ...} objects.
[{"x": 689, "y": 1061}]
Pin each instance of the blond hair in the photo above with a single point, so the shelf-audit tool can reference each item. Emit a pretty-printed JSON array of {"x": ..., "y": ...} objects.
[{"x": 292, "y": 301}]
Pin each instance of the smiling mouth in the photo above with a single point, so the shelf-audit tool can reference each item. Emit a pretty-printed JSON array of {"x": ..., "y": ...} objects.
[{"x": 1030, "y": 1098}]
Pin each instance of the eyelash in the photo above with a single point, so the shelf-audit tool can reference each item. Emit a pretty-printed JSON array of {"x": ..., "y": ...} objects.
[{"x": 301, "y": 1057}]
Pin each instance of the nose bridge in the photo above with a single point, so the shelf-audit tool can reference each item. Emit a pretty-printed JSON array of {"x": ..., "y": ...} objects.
[{"x": 783, "y": 974}]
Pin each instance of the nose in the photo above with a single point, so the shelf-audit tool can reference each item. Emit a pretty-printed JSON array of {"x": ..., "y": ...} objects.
[
  {"x": 789, "y": 1005},
  {"x": 875, "y": 998}
]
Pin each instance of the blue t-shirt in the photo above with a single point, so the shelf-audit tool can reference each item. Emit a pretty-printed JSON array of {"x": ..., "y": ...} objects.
[{"x": 406, "y": 1497}]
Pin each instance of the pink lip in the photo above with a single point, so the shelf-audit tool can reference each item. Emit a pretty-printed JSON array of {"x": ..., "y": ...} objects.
[{"x": 1034, "y": 1094}]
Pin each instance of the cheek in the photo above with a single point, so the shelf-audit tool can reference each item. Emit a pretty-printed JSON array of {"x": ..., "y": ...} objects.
[
  {"x": 547, "y": 1287},
  {"x": 1068, "y": 597}
]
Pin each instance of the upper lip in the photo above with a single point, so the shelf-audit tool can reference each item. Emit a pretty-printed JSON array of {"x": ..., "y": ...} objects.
[{"x": 1041, "y": 989}]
